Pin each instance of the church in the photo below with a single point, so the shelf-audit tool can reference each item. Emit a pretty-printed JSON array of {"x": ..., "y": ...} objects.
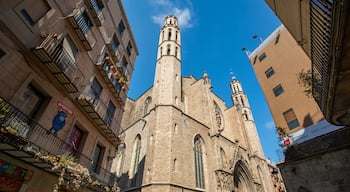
[{"x": 180, "y": 136}]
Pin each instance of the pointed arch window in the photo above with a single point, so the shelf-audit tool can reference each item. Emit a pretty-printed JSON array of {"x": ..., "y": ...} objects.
[
  {"x": 120, "y": 157},
  {"x": 169, "y": 34},
  {"x": 176, "y": 35},
  {"x": 176, "y": 49},
  {"x": 147, "y": 102},
  {"x": 168, "y": 50},
  {"x": 136, "y": 159},
  {"x": 242, "y": 101},
  {"x": 198, "y": 161},
  {"x": 223, "y": 158}
]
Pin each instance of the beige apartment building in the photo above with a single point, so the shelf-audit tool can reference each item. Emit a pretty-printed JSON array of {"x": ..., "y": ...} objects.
[
  {"x": 321, "y": 28},
  {"x": 66, "y": 67},
  {"x": 276, "y": 63},
  {"x": 180, "y": 136},
  {"x": 315, "y": 150}
]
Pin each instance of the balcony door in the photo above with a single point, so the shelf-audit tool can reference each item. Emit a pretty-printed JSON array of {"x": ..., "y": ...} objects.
[{"x": 30, "y": 101}]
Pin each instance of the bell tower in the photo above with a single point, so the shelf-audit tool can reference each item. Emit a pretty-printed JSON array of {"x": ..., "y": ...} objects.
[
  {"x": 167, "y": 80},
  {"x": 239, "y": 99}
]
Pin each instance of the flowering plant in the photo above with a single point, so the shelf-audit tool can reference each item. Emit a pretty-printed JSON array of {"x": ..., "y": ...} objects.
[{"x": 78, "y": 174}]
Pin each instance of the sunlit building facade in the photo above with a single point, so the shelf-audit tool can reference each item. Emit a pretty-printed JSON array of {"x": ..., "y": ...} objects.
[
  {"x": 180, "y": 136},
  {"x": 66, "y": 67}
]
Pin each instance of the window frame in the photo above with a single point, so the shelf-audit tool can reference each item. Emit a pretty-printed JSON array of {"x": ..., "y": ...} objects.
[
  {"x": 294, "y": 122},
  {"x": 269, "y": 72},
  {"x": 278, "y": 90}
]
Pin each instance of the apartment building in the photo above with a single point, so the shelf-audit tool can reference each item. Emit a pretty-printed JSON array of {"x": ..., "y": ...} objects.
[{"x": 66, "y": 67}]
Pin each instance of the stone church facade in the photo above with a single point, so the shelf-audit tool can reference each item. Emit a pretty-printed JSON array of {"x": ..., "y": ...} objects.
[{"x": 180, "y": 136}]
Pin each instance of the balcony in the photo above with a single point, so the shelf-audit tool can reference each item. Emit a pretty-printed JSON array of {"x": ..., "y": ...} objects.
[
  {"x": 330, "y": 44},
  {"x": 98, "y": 113},
  {"x": 113, "y": 50},
  {"x": 26, "y": 138},
  {"x": 112, "y": 78},
  {"x": 95, "y": 8},
  {"x": 82, "y": 24},
  {"x": 60, "y": 63}
]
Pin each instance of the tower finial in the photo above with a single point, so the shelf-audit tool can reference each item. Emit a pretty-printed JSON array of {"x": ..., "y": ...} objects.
[{"x": 232, "y": 74}]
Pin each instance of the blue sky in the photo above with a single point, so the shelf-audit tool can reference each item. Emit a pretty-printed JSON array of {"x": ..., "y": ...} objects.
[{"x": 213, "y": 35}]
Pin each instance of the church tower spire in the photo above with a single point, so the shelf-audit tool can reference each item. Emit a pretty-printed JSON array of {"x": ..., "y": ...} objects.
[
  {"x": 239, "y": 99},
  {"x": 167, "y": 80}
]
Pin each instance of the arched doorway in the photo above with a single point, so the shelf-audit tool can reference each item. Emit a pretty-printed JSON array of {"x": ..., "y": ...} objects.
[{"x": 242, "y": 179}]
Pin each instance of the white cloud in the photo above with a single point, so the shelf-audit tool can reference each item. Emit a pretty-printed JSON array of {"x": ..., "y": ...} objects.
[
  {"x": 184, "y": 17},
  {"x": 167, "y": 7},
  {"x": 270, "y": 125},
  {"x": 162, "y": 2}
]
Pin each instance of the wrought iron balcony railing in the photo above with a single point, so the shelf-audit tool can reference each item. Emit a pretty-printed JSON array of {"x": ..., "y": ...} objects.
[
  {"x": 116, "y": 55},
  {"x": 22, "y": 138},
  {"x": 99, "y": 113},
  {"x": 115, "y": 81},
  {"x": 95, "y": 7},
  {"x": 60, "y": 63},
  {"x": 82, "y": 25}
]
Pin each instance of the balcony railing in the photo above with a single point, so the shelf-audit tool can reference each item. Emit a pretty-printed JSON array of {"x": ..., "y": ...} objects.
[
  {"x": 95, "y": 7},
  {"x": 113, "y": 79},
  {"x": 98, "y": 113},
  {"x": 117, "y": 57},
  {"x": 60, "y": 63},
  {"x": 82, "y": 26},
  {"x": 28, "y": 138},
  {"x": 321, "y": 20}
]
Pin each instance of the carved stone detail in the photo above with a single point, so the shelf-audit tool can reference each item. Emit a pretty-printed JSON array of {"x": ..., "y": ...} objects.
[{"x": 224, "y": 181}]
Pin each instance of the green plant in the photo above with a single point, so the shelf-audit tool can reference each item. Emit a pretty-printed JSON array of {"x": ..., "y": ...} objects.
[
  {"x": 3, "y": 109},
  {"x": 305, "y": 80},
  {"x": 79, "y": 175},
  {"x": 281, "y": 132}
]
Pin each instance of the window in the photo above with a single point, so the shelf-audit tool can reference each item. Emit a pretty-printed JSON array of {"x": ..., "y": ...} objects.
[
  {"x": 84, "y": 22},
  {"x": 198, "y": 161},
  {"x": 95, "y": 91},
  {"x": 27, "y": 17},
  {"x": 115, "y": 43},
  {"x": 32, "y": 14},
  {"x": 147, "y": 102},
  {"x": 124, "y": 64},
  {"x": 69, "y": 46},
  {"x": 262, "y": 57},
  {"x": 277, "y": 39},
  {"x": 2, "y": 53},
  {"x": 109, "y": 113},
  {"x": 30, "y": 101},
  {"x": 291, "y": 119},
  {"x": 176, "y": 51},
  {"x": 117, "y": 85},
  {"x": 129, "y": 48},
  {"x": 278, "y": 90},
  {"x": 97, "y": 159},
  {"x": 255, "y": 59},
  {"x": 136, "y": 159},
  {"x": 168, "y": 50},
  {"x": 121, "y": 27},
  {"x": 74, "y": 140},
  {"x": 97, "y": 5},
  {"x": 169, "y": 34},
  {"x": 269, "y": 72},
  {"x": 120, "y": 159},
  {"x": 223, "y": 158}
]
